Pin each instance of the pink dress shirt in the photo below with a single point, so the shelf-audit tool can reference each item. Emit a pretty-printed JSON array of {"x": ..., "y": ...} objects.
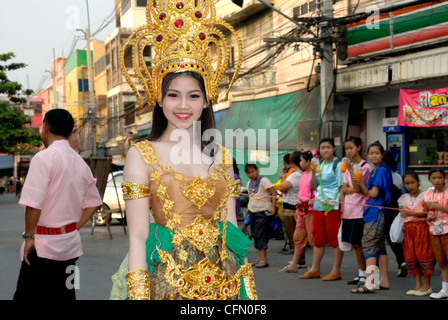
[{"x": 60, "y": 184}]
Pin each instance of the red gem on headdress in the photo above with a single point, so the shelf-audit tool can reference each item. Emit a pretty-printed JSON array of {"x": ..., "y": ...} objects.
[
  {"x": 179, "y": 23},
  {"x": 202, "y": 36},
  {"x": 182, "y": 65},
  {"x": 198, "y": 14},
  {"x": 162, "y": 16},
  {"x": 159, "y": 38},
  {"x": 201, "y": 232},
  {"x": 208, "y": 279},
  {"x": 179, "y": 5}
]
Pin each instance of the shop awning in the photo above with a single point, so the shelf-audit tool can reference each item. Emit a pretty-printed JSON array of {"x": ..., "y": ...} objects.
[
  {"x": 281, "y": 112},
  {"x": 6, "y": 161}
]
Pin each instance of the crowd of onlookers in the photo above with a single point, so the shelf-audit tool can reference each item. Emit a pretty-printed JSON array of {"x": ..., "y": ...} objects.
[
  {"x": 11, "y": 185},
  {"x": 352, "y": 204}
]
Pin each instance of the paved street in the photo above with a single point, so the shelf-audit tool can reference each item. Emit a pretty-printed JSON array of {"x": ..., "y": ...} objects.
[{"x": 102, "y": 257}]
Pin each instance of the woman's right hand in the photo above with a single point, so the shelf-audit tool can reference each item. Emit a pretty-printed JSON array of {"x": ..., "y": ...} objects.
[{"x": 313, "y": 166}]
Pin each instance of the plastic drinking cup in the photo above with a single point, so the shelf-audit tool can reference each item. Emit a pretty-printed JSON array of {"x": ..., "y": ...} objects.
[
  {"x": 431, "y": 210},
  {"x": 317, "y": 169}
]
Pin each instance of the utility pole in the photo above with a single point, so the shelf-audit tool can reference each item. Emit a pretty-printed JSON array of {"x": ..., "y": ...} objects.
[
  {"x": 92, "y": 102},
  {"x": 326, "y": 71},
  {"x": 53, "y": 82}
]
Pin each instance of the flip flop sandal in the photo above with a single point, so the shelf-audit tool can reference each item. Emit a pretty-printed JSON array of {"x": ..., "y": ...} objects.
[
  {"x": 261, "y": 264},
  {"x": 357, "y": 280},
  {"x": 287, "y": 270},
  {"x": 363, "y": 291}
]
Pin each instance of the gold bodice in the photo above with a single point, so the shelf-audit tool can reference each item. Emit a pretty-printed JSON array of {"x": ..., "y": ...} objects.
[
  {"x": 177, "y": 198},
  {"x": 191, "y": 208}
]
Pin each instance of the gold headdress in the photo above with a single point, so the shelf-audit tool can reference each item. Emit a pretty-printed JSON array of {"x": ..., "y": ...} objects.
[{"x": 180, "y": 32}]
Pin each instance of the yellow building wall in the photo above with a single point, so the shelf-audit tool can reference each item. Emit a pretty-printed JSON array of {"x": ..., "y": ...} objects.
[
  {"x": 100, "y": 84},
  {"x": 74, "y": 95}
]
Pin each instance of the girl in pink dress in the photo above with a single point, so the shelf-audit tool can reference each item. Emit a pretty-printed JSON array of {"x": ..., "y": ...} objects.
[
  {"x": 417, "y": 248},
  {"x": 436, "y": 202},
  {"x": 304, "y": 216}
]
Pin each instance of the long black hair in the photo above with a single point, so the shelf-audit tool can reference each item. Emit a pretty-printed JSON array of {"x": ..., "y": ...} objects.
[{"x": 207, "y": 119}]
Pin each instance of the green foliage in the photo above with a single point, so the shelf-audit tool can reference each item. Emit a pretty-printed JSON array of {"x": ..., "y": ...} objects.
[
  {"x": 16, "y": 136},
  {"x": 10, "y": 88},
  {"x": 14, "y": 133}
]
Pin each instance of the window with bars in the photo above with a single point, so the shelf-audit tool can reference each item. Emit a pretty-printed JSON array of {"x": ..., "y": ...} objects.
[
  {"x": 305, "y": 8},
  {"x": 129, "y": 113}
]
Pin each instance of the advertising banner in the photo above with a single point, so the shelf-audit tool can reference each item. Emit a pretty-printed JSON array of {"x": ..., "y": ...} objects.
[{"x": 423, "y": 108}]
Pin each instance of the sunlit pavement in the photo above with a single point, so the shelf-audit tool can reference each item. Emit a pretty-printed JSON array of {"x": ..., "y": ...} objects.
[{"x": 102, "y": 257}]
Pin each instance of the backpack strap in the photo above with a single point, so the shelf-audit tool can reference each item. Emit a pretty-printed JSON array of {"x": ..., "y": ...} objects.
[{"x": 335, "y": 163}]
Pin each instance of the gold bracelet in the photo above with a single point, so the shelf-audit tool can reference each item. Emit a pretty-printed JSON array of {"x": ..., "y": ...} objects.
[{"x": 138, "y": 285}]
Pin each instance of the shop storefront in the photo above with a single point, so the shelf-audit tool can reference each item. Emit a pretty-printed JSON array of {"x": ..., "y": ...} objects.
[{"x": 424, "y": 116}]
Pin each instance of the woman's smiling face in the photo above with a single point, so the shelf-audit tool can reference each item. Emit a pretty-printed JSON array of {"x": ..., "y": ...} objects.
[{"x": 184, "y": 102}]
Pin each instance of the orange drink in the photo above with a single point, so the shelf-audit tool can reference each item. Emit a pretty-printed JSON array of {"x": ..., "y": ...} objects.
[
  {"x": 358, "y": 175},
  {"x": 345, "y": 160},
  {"x": 431, "y": 210}
]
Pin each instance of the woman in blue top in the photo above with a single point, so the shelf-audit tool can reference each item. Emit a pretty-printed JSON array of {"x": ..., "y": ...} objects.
[
  {"x": 326, "y": 213},
  {"x": 378, "y": 191}
]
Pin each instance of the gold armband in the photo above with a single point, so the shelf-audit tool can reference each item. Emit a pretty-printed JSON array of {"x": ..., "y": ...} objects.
[
  {"x": 134, "y": 190},
  {"x": 138, "y": 285}
]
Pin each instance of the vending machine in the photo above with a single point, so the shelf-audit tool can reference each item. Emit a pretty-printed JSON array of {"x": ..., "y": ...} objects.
[{"x": 395, "y": 142}]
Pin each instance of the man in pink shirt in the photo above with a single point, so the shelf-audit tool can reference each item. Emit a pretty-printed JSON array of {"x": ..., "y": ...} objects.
[{"x": 59, "y": 196}]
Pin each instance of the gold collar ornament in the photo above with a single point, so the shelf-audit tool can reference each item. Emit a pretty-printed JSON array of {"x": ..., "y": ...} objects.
[{"x": 181, "y": 33}]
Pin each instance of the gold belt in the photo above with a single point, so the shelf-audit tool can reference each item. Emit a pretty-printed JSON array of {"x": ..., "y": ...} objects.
[{"x": 205, "y": 281}]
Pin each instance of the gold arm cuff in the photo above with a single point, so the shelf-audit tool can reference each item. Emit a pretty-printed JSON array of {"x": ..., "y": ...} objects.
[
  {"x": 138, "y": 285},
  {"x": 134, "y": 190}
]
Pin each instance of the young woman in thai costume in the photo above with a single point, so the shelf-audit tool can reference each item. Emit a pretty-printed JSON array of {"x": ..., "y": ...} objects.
[{"x": 194, "y": 249}]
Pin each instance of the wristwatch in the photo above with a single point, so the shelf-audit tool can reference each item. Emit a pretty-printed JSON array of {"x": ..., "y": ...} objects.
[{"x": 24, "y": 236}]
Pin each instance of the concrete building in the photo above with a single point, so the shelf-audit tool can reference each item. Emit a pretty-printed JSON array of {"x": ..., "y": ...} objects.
[
  {"x": 379, "y": 47},
  {"x": 78, "y": 95},
  {"x": 399, "y": 46},
  {"x": 124, "y": 122},
  {"x": 77, "y": 85}
]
